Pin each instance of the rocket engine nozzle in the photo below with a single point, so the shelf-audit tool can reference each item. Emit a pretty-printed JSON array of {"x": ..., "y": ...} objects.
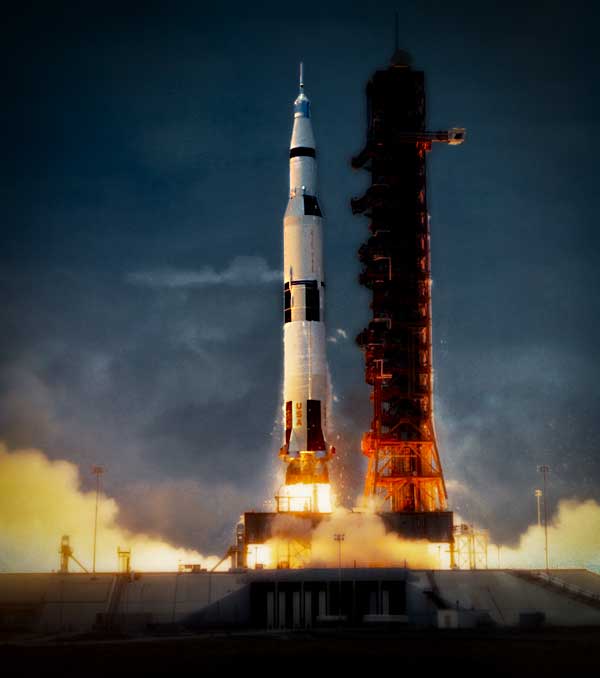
[{"x": 307, "y": 469}]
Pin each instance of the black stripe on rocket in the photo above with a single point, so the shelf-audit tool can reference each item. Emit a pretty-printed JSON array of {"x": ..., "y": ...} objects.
[
  {"x": 311, "y": 206},
  {"x": 302, "y": 151},
  {"x": 288, "y": 422},
  {"x": 310, "y": 291},
  {"x": 315, "y": 439},
  {"x": 287, "y": 306}
]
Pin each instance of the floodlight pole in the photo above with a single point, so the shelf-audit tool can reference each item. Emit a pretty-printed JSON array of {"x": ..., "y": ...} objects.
[
  {"x": 544, "y": 470},
  {"x": 538, "y": 495},
  {"x": 97, "y": 471},
  {"x": 339, "y": 538}
]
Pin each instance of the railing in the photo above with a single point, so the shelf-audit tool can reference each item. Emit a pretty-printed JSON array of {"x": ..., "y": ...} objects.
[
  {"x": 547, "y": 579},
  {"x": 573, "y": 588}
]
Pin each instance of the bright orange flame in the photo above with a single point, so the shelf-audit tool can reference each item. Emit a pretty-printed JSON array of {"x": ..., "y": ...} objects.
[
  {"x": 305, "y": 497},
  {"x": 259, "y": 556}
]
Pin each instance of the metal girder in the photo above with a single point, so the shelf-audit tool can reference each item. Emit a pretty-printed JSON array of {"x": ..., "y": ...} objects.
[{"x": 404, "y": 467}]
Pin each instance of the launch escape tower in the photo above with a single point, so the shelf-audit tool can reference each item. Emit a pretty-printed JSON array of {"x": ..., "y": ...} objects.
[{"x": 404, "y": 466}]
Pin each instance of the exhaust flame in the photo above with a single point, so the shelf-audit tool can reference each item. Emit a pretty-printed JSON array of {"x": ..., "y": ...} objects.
[
  {"x": 41, "y": 500},
  {"x": 305, "y": 497},
  {"x": 365, "y": 544}
]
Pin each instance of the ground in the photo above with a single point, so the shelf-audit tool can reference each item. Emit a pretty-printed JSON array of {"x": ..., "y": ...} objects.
[{"x": 544, "y": 652}]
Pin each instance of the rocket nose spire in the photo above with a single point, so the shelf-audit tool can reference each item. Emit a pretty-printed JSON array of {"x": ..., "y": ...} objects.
[
  {"x": 302, "y": 103},
  {"x": 302, "y": 134}
]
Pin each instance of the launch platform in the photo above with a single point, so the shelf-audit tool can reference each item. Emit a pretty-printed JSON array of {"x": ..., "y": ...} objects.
[{"x": 433, "y": 526}]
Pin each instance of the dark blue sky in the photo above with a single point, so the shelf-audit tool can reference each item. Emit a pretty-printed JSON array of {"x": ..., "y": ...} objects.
[{"x": 143, "y": 194}]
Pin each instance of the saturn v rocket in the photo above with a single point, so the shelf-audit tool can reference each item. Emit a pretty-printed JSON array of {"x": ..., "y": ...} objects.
[{"x": 305, "y": 390}]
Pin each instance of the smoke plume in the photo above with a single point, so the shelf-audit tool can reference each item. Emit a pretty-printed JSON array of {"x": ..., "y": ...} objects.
[
  {"x": 348, "y": 539},
  {"x": 573, "y": 540},
  {"x": 242, "y": 270},
  {"x": 42, "y": 500},
  {"x": 366, "y": 544}
]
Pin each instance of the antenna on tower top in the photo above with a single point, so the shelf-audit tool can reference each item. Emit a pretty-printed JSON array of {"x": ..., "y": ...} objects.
[
  {"x": 400, "y": 58},
  {"x": 301, "y": 75}
]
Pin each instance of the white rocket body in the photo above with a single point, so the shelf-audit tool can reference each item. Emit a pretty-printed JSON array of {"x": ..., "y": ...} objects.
[{"x": 305, "y": 387}]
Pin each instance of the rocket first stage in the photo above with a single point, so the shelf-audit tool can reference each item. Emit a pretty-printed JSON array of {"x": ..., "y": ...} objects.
[{"x": 305, "y": 389}]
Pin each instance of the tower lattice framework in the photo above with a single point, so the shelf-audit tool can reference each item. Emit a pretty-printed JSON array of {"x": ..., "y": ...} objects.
[{"x": 404, "y": 467}]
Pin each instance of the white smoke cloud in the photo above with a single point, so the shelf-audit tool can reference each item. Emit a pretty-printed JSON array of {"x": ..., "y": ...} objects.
[
  {"x": 42, "y": 500},
  {"x": 573, "y": 540},
  {"x": 241, "y": 270},
  {"x": 339, "y": 334},
  {"x": 365, "y": 543}
]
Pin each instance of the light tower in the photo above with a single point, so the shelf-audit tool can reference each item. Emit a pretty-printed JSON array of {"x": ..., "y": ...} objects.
[
  {"x": 404, "y": 468},
  {"x": 538, "y": 496},
  {"x": 544, "y": 469},
  {"x": 98, "y": 471}
]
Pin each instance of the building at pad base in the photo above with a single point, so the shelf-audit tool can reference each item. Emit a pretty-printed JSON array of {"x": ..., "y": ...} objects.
[
  {"x": 174, "y": 602},
  {"x": 404, "y": 467}
]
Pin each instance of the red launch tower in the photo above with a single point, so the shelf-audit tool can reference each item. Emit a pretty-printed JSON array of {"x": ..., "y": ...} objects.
[{"x": 404, "y": 468}]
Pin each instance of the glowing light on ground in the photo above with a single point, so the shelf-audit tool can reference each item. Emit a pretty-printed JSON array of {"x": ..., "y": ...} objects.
[
  {"x": 259, "y": 556},
  {"x": 305, "y": 497}
]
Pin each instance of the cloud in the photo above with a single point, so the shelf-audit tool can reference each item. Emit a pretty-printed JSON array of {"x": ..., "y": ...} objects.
[
  {"x": 339, "y": 333},
  {"x": 573, "y": 540},
  {"x": 241, "y": 270},
  {"x": 42, "y": 500},
  {"x": 165, "y": 386},
  {"x": 190, "y": 511},
  {"x": 520, "y": 412}
]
